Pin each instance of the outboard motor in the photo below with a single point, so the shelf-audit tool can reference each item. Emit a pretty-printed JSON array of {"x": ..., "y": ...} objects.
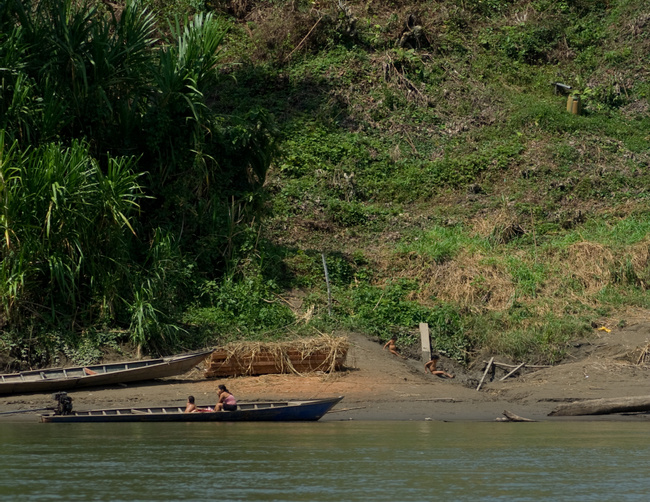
[{"x": 64, "y": 403}]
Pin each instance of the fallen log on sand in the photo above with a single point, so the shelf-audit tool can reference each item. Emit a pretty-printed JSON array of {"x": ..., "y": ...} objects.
[
  {"x": 515, "y": 418},
  {"x": 602, "y": 406},
  {"x": 511, "y": 417}
]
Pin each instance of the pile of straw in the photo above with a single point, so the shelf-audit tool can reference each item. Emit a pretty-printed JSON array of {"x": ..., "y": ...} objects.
[{"x": 325, "y": 353}]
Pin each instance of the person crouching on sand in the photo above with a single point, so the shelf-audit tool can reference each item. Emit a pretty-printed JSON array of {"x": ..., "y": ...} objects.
[
  {"x": 227, "y": 401},
  {"x": 431, "y": 367},
  {"x": 392, "y": 347}
]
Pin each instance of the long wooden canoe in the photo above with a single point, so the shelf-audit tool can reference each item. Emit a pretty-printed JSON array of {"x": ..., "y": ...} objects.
[
  {"x": 57, "y": 379},
  {"x": 277, "y": 411}
]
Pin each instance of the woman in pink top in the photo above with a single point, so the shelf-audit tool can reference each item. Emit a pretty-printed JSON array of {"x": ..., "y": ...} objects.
[{"x": 227, "y": 401}]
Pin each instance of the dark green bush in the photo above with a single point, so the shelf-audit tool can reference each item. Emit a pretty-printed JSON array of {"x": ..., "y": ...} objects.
[{"x": 244, "y": 309}]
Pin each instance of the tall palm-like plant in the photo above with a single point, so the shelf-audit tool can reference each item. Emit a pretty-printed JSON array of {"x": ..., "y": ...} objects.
[
  {"x": 12, "y": 263},
  {"x": 227, "y": 156},
  {"x": 84, "y": 92},
  {"x": 186, "y": 73},
  {"x": 65, "y": 226},
  {"x": 130, "y": 60},
  {"x": 97, "y": 67}
]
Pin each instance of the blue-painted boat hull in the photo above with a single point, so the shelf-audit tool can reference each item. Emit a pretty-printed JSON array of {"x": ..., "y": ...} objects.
[{"x": 286, "y": 411}]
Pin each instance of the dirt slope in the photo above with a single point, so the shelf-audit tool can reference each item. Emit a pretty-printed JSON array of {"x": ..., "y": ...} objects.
[{"x": 610, "y": 365}]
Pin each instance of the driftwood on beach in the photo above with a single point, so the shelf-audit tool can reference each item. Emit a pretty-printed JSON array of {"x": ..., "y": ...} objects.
[
  {"x": 511, "y": 417},
  {"x": 603, "y": 406},
  {"x": 326, "y": 353},
  {"x": 510, "y": 369}
]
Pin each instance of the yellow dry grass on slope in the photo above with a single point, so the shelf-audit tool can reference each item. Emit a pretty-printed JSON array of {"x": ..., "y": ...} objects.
[{"x": 478, "y": 279}]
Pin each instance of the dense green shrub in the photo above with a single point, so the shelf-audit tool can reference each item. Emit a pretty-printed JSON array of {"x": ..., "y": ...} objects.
[
  {"x": 231, "y": 310},
  {"x": 148, "y": 190}
]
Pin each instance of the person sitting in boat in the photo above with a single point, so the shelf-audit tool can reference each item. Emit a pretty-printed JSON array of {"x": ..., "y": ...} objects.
[
  {"x": 227, "y": 401},
  {"x": 431, "y": 367},
  {"x": 191, "y": 407}
]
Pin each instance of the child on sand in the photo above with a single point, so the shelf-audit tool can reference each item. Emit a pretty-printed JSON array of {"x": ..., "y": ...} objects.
[
  {"x": 392, "y": 347},
  {"x": 431, "y": 367}
]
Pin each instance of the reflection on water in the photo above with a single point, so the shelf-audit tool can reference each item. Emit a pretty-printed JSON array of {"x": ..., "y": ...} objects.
[{"x": 337, "y": 461}]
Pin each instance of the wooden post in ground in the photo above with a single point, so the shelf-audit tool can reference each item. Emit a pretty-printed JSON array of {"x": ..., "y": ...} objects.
[
  {"x": 426, "y": 342},
  {"x": 487, "y": 368}
]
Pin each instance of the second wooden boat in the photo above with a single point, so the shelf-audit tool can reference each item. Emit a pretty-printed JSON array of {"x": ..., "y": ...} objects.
[{"x": 63, "y": 379}]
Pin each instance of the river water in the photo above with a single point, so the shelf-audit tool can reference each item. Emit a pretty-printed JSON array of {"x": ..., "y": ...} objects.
[{"x": 326, "y": 461}]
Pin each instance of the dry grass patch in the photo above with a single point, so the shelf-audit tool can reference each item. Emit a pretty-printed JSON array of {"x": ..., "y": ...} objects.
[
  {"x": 501, "y": 226},
  {"x": 590, "y": 263},
  {"x": 466, "y": 280},
  {"x": 593, "y": 264},
  {"x": 639, "y": 255}
]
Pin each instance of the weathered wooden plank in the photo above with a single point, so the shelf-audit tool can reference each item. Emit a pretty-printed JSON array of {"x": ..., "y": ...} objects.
[{"x": 425, "y": 338}]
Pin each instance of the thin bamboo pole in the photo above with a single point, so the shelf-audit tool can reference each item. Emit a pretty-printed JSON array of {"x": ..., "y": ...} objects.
[
  {"x": 329, "y": 290},
  {"x": 487, "y": 368}
]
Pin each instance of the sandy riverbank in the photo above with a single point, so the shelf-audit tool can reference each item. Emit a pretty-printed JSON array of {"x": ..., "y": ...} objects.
[{"x": 380, "y": 386}]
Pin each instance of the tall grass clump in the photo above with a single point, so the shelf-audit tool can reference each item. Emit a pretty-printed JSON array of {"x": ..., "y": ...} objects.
[
  {"x": 441, "y": 244},
  {"x": 67, "y": 227},
  {"x": 545, "y": 339}
]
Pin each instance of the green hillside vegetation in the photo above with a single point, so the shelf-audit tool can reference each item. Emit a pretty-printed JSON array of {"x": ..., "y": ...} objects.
[{"x": 176, "y": 184}]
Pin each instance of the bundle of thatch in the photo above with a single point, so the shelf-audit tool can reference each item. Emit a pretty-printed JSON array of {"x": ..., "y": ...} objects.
[{"x": 325, "y": 353}]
